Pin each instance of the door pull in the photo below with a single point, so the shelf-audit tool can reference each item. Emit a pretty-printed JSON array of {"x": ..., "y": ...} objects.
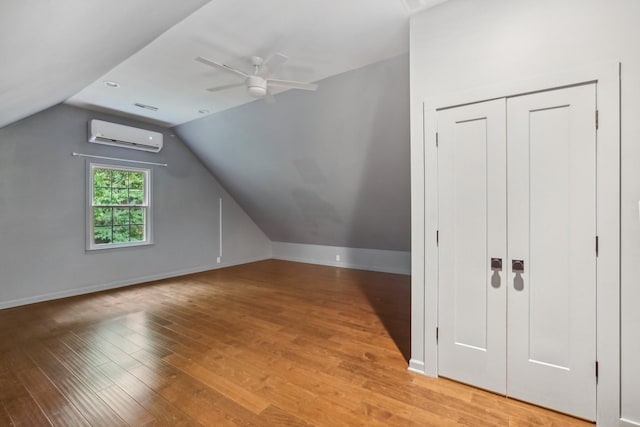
[
  {"x": 496, "y": 268},
  {"x": 517, "y": 266}
]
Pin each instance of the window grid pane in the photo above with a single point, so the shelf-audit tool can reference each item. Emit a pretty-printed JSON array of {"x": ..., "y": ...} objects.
[{"x": 109, "y": 227}]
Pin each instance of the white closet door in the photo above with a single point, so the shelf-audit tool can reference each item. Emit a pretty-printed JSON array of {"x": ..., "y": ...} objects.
[
  {"x": 472, "y": 230},
  {"x": 552, "y": 228}
]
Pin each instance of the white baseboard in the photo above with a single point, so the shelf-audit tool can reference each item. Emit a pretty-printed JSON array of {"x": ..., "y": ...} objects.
[
  {"x": 416, "y": 366},
  {"x": 628, "y": 423},
  {"x": 398, "y": 262},
  {"x": 120, "y": 284}
]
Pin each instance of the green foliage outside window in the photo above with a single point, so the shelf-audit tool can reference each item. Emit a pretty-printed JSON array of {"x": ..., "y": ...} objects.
[{"x": 116, "y": 216}]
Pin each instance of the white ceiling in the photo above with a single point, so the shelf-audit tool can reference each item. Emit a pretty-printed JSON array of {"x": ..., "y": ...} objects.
[
  {"x": 50, "y": 50},
  {"x": 321, "y": 37},
  {"x": 56, "y": 51}
]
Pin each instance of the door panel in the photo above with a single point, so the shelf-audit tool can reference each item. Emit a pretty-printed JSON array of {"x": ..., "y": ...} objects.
[
  {"x": 470, "y": 327},
  {"x": 472, "y": 210},
  {"x": 549, "y": 157},
  {"x": 552, "y": 228}
]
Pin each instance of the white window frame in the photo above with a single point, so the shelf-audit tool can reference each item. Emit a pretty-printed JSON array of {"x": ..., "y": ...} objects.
[{"x": 146, "y": 204}]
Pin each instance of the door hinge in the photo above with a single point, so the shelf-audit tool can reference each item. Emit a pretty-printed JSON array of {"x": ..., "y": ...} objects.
[
  {"x": 437, "y": 237},
  {"x": 597, "y": 368},
  {"x": 597, "y": 246},
  {"x": 436, "y": 139},
  {"x": 597, "y": 119},
  {"x": 437, "y": 334}
]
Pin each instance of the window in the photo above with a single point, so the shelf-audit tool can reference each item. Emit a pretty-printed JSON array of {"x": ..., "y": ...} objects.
[{"x": 119, "y": 206}]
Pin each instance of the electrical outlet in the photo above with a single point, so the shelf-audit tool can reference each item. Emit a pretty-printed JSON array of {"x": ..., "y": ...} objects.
[
  {"x": 218, "y": 260},
  {"x": 337, "y": 257}
]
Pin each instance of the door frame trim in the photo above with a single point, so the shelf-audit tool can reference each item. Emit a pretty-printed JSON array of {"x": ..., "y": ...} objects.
[{"x": 424, "y": 210}]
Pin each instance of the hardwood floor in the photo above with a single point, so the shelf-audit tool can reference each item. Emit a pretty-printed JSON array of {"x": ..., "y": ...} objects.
[{"x": 271, "y": 343}]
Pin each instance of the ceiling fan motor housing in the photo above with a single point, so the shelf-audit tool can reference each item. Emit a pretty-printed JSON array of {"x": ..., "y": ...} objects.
[{"x": 256, "y": 86}]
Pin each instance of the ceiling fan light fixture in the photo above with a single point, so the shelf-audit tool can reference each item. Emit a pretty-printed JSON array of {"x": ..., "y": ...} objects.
[
  {"x": 256, "y": 91},
  {"x": 256, "y": 87}
]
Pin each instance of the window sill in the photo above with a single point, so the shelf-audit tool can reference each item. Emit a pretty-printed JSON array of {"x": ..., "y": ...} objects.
[{"x": 106, "y": 247}]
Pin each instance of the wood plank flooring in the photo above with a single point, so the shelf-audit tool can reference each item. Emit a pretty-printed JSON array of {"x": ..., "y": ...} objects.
[{"x": 272, "y": 343}]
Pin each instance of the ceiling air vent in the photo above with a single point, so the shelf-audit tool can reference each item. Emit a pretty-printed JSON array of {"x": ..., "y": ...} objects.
[{"x": 146, "y": 107}]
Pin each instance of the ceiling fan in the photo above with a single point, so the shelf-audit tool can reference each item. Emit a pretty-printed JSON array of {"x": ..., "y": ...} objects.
[{"x": 259, "y": 83}]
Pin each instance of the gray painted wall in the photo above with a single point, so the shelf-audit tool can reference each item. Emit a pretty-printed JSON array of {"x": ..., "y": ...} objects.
[
  {"x": 42, "y": 213},
  {"x": 325, "y": 168}
]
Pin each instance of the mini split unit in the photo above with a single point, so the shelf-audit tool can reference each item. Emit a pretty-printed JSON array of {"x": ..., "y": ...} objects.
[{"x": 101, "y": 132}]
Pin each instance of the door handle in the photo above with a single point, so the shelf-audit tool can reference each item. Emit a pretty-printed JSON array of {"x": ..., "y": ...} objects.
[
  {"x": 517, "y": 266},
  {"x": 496, "y": 267}
]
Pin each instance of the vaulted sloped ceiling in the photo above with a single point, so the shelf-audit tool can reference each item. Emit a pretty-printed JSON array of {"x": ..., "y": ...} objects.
[
  {"x": 327, "y": 168},
  {"x": 49, "y": 50},
  {"x": 322, "y": 38}
]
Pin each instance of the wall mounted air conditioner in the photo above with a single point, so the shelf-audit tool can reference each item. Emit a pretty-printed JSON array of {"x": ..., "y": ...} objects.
[{"x": 101, "y": 132}]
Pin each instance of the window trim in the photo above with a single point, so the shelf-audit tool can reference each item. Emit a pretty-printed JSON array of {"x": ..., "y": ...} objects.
[{"x": 91, "y": 246}]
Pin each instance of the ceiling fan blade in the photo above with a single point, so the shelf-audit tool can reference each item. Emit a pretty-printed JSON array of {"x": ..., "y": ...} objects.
[
  {"x": 221, "y": 66},
  {"x": 291, "y": 84},
  {"x": 223, "y": 87},
  {"x": 274, "y": 62}
]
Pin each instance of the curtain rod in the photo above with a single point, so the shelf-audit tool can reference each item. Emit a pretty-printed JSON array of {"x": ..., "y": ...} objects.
[{"x": 120, "y": 160}]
